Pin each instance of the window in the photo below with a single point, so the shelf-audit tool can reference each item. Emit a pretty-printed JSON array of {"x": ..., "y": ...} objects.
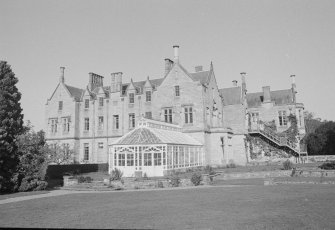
[
  {"x": 188, "y": 115},
  {"x": 54, "y": 125},
  {"x": 282, "y": 118},
  {"x": 130, "y": 159},
  {"x": 115, "y": 121},
  {"x": 168, "y": 115},
  {"x": 101, "y": 101},
  {"x": 254, "y": 117},
  {"x": 147, "y": 159},
  {"x": 131, "y": 98},
  {"x": 100, "y": 123},
  {"x": 131, "y": 120},
  {"x": 148, "y": 115},
  {"x": 60, "y": 105},
  {"x": 100, "y": 145},
  {"x": 87, "y": 124},
  {"x": 176, "y": 91},
  {"x": 148, "y": 96},
  {"x": 66, "y": 124},
  {"x": 86, "y": 152},
  {"x": 87, "y": 103},
  {"x": 157, "y": 159},
  {"x": 122, "y": 159}
]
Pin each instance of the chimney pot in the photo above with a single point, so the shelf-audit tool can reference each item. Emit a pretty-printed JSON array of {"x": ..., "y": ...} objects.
[
  {"x": 176, "y": 53},
  {"x": 62, "y": 79},
  {"x": 293, "y": 79},
  {"x": 235, "y": 83}
]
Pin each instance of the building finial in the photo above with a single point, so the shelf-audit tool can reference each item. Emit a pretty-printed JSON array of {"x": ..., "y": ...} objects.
[{"x": 211, "y": 68}]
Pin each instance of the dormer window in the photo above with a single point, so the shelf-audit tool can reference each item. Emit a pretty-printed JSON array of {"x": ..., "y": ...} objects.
[
  {"x": 148, "y": 96},
  {"x": 60, "y": 105},
  {"x": 177, "y": 91},
  {"x": 87, "y": 103},
  {"x": 131, "y": 98},
  {"x": 101, "y": 101}
]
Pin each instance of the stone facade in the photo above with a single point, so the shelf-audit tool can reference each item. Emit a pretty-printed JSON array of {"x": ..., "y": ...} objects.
[{"x": 89, "y": 120}]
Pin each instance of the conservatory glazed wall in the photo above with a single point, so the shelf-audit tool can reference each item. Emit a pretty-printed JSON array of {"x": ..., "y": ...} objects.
[{"x": 154, "y": 160}]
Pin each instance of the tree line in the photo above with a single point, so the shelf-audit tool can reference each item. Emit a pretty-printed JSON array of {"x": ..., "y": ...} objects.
[
  {"x": 320, "y": 135},
  {"x": 24, "y": 154}
]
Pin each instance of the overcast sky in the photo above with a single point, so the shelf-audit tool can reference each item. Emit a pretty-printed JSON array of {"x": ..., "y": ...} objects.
[{"x": 270, "y": 40}]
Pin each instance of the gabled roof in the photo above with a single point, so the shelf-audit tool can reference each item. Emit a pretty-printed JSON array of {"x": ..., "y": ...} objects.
[
  {"x": 151, "y": 133},
  {"x": 201, "y": 76},
  {"x": 75, "y": 92},
  {"x": 279, "y": 97},
  {"x": 140, "y": 84},
  {"x": 231, "y": 96}
]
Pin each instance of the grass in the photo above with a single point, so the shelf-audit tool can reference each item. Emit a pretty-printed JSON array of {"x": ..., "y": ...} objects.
[
  {"x": 19, "y": 194},
  {"x": 247, "y": 207}
]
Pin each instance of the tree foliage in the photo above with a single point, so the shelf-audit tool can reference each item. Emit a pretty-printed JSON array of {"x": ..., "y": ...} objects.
[
  {"x": 322, "y": 140},
  {"x": 311, "y": 122},
  {"x": 11, "y": 125},
  {"x": 60, "y": 155},
  {"x": 33, "y": 163}
]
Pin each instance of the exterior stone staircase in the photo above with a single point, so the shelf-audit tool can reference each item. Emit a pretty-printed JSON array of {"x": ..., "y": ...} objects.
[{"x": 282, "y": 142}]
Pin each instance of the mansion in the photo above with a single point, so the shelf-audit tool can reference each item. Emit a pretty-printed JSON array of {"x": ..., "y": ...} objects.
[{"x": 182, "y": 119}]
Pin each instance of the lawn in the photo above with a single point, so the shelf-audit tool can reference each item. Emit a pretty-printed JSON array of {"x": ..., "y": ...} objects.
[
  {"x": 241, "y": 207},
  {"x": 19, "y": 194}
]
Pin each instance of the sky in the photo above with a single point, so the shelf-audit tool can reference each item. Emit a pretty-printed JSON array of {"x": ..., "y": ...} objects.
[{"x": 269, "y": 40}]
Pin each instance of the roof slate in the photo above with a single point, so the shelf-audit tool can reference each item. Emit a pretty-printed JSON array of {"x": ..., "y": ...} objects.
[
  {"x": 148, "y": 135},
  {"x": 231, "y": 96},
  {"x": 279, "y": 97},
  {"x": 201, "y": 76},
  {"x": 75, "y": 92}
]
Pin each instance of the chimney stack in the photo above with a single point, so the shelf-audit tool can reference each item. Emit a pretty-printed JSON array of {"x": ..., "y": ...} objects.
[
  {"x": 266, "y": 94},
  {"x": 235, "y": 83},
  {"x": 176, "y": 53},
  {"x": 95, "y": 80},
  {"x": 198, "y": 68},
  {"x": 244, "y": 85},
  {"x": 168, "y": 65},
  {"x": 294, "y": 90},
  {"x": 61, "y": 77}
]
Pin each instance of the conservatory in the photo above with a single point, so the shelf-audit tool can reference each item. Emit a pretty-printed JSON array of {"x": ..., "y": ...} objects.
[{"x": 153, "y": 148}]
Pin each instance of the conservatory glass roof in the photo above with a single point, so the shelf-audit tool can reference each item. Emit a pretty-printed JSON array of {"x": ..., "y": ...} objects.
[{"x": 155, "y": 132}]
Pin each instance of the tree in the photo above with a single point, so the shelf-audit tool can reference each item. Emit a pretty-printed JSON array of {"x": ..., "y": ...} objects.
[
  {"x": 311, "y": 122},
  {"x": 322, "y": 141},
  {"x": 11, "y": 125},
  {"x": 33, "y": 163},
  {"x": 60, "y": 155}
]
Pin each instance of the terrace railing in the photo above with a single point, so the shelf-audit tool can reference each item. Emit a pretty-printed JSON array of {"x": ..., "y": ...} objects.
[{"x": 273, "y": 137}]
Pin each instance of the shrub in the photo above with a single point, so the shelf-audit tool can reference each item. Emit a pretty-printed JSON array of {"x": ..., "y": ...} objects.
[
  {"x": 82, "y": 179},
  {"x": 196, "y": 179},
  {"x": 231, "y": 164},
  {"x": 57, "y": 171},
  {"x": 32, "y": 184},
  {"x": 175, "y": 180},
  {"x": 145, "y": 176},
  {"x": 209, "y": 170},
  {"x": 160, "y": 184},
  {"x": 116, "y": 174},
  {"x": 287, "y": 165},
  {"x": 293, "y": 172},
  {"x": 328, "y": 165}
]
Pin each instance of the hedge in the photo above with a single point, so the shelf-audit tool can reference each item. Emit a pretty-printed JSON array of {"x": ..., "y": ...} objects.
[{"x": 58, "y": 171}]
